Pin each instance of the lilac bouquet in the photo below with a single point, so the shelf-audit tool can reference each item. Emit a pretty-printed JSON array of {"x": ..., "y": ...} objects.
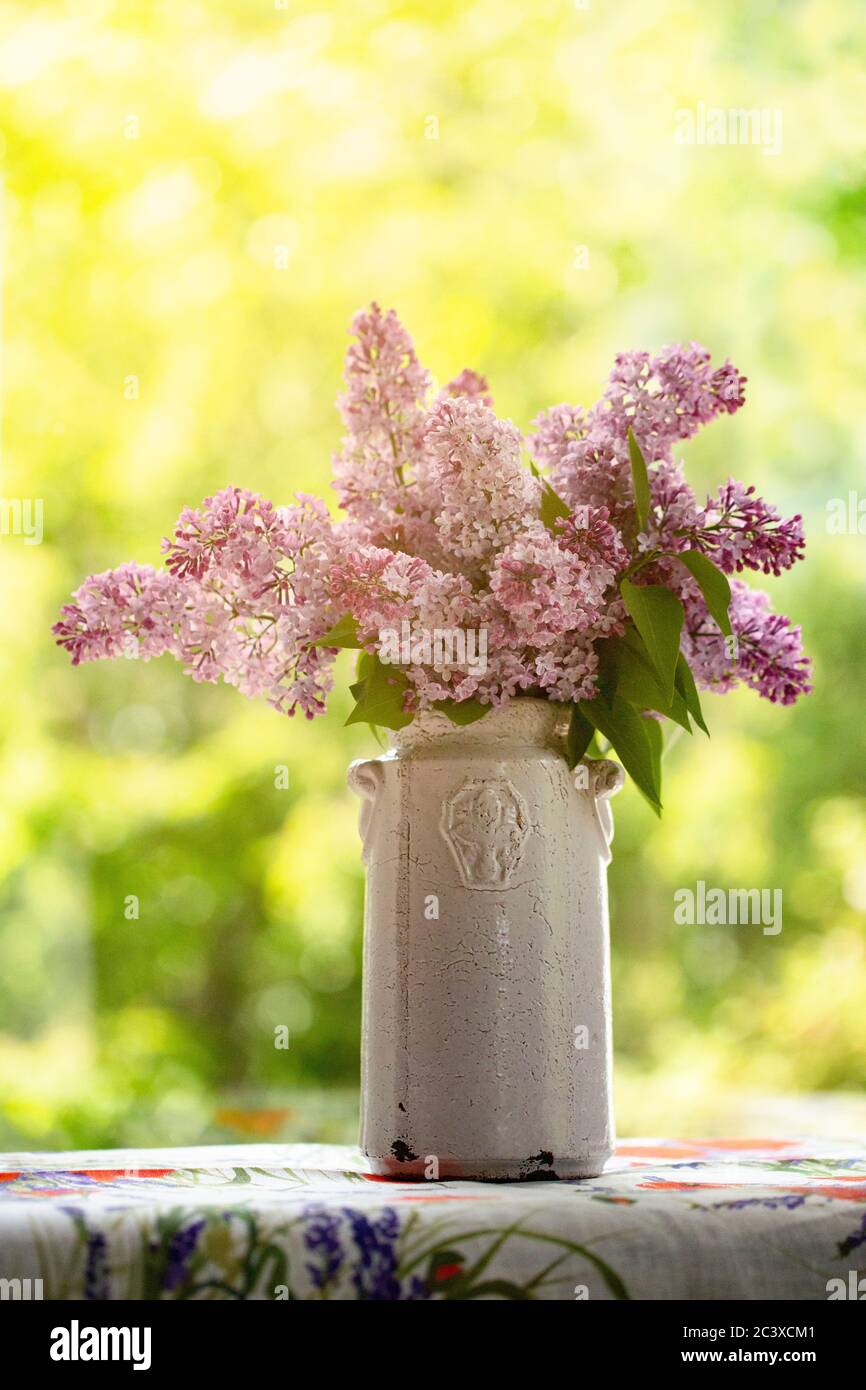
[{"x": 593, "y": 577}]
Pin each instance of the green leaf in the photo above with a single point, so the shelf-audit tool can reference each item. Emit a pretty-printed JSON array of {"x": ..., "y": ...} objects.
[
  {"x": 502, "y": 1288},
  {"x": 343, "y": 634},
  {"x": 380, "y": 699},
  {"x": 609, "y": 666},
  {"x": 579, "y": 737},
  {"x": 656, "y": 741},
  {"x": 636, "y": 679},
  {"x": 685, "y": 683},
  {"x": 363, "y": 667},
  {"x": 640, "y": 481},
  {"x": 636, "y": 747},
  {"x": 553, "y": 509},
  {"x": 462, "y": 712},
  {"x": 713, "y": 585},
  {"x": 658, "y": 617}
]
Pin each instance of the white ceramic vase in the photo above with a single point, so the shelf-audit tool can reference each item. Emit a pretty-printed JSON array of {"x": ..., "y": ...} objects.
[{"x": 486, "y": 1049}]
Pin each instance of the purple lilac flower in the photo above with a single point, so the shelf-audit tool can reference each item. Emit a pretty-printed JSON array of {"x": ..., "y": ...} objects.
[
  {"x": 375, "y": 1276},
  {"x": 180, "y": 1248},
  {"x": 789, "y": 1201},
  {"x": 767, "y": 653},
  {"x": 322, "y": 1238},
  {"x": 743, "y": 531},
  {"x": 664, "y": 399},
  {"x": 855, "y": 1239},
  {"x": 96, "y": 1268}
]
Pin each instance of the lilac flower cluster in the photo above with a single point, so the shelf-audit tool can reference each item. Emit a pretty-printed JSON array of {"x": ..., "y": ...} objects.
[
  {"x": 743, "y": 531},
  {"x": 664, "y": 399},
  {"x": 322, "y": 1239},
  {"x": 96, "y": 1271},
  {"x": 765, "y": 653},
  {"x": 445, "y": 528},
  {"x": 241, "y": 599},
  {"x": 181, "y": 1248},
  {"x": 376, "y": 1274},
  {"x": 367, "y": 1252}
]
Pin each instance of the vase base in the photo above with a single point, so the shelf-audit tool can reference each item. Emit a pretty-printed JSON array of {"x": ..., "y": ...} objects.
[{"x": 541, "y": 1167}]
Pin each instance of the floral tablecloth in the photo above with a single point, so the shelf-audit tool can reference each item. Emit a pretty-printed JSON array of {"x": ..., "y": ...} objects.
[{"x": 714, "y": 1219}]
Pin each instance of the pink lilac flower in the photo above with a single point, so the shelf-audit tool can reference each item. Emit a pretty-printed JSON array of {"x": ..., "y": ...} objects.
[
  {"x": 470, "y": 384},
  {"x": 488, "y": 498},
  {"x": 590, "y": 534},
  {"x": 741, "y": 530},
  {"x": 664, "y": 399},
  {"x": 443, "y": 534},
  {"x": 557, "y": 430},
  {"x": 244, "y": 595},
  {"x": 133, "y": 611},
  {"x": 587, "y": 469},
  {"x": 568, "y": 672},
  {"x": 380, "y": 589},
  {"x": 676, "y": 519},
  {"x": 766, "y": 652},
  {"x": 381, "y": 476},
  {"x": 667, "y": 398},
  {"x": 383, "y": 409},
  {"x": 548, "y": 589},
  {"x": 397, "y": 598}
]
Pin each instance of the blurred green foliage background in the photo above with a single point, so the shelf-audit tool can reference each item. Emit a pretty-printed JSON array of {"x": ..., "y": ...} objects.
[{"x": 197, "y": 198}]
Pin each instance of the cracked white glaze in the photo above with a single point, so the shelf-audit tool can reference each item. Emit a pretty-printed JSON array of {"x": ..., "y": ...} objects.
[{"x": 486, "y": 950}]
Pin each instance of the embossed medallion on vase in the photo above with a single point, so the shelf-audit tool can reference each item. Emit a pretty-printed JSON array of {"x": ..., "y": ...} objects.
[{"x": 486, "y": 1049}]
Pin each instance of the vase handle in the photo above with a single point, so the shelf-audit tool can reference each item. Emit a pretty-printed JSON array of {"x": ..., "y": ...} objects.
[
  {"x": 601, "y": 778},
  {"x": 365, "y": 778}
]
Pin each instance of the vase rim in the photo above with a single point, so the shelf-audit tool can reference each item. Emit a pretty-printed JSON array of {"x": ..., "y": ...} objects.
[{"x": 523, "y": 719}]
